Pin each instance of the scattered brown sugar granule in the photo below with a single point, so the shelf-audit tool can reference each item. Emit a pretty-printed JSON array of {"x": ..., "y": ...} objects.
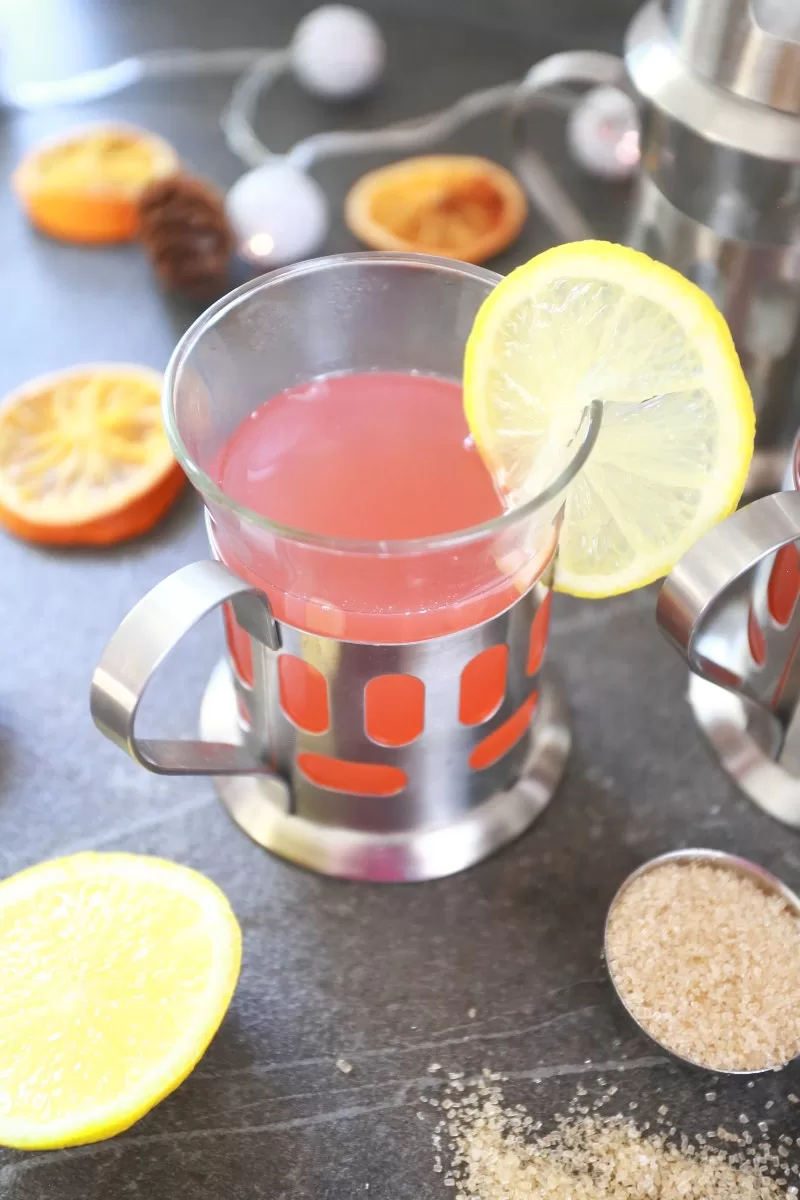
[
  {"x": 494, "y": 1152},
  {"x": 710, "y": 965}
]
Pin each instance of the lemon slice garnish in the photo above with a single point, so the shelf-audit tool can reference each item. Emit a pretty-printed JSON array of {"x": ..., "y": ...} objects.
[{"x": 595, "y": 321}]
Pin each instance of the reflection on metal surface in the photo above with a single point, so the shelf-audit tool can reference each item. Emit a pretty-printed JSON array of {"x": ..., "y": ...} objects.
[
  {"x": 262, "y": 806},
  {"x": 141, "y": 643},
  {"x": 745, "y": 747},
  {"x": 450, "y": 671},
  {"x": 731, "y": 608},
  {"x": 550, "y": 199},
  {"x": 718, "y": 196},
  {"x": 755, "y": 284},
  {"x": 751, "y": 47},
  {"x": 385, "y": 761},
  {"x": 718, "y": 191}
]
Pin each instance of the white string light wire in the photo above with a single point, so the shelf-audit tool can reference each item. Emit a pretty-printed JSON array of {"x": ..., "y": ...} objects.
[
  {"x": 107, "y": 81},
  {"x": 278, "y": 211},
  {"x": 260, "y": 69}
]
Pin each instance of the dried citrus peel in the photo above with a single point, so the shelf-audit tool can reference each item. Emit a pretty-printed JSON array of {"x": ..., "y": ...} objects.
[{"x": 460, "y": 206}]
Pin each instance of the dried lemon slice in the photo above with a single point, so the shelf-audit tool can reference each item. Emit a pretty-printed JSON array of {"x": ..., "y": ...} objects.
[
  {"x": 459, "y": 206},
  {"x": 84, "y": 458},
  {"x": 83, "y": 187}
]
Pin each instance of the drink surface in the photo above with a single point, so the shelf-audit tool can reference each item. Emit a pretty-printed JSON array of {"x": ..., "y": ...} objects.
[
  {"x": 377, "y": 458},
  {"x": 370, "y": 456}
]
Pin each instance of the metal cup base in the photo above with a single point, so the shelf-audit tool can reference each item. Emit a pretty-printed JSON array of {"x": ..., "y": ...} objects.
[
  {"x": 745, "y": 742},
  {"x": 260, "y": 805}
]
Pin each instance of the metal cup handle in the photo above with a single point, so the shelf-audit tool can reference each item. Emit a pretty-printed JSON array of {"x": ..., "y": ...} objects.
[
  {"x": 147, "y": 634},
  {"x": 692, "y": 598},
  {"x": 553, "y": 202}
]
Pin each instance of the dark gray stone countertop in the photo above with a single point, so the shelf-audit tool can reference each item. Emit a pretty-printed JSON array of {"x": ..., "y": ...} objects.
[{"x": 383, "y": 977}]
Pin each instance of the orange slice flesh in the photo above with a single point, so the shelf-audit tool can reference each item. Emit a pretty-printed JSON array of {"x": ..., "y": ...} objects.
[
  {"x": 459, "y": 206},
  {"x": 83, "y": 187},
  {"x": 84, "y": 459}
]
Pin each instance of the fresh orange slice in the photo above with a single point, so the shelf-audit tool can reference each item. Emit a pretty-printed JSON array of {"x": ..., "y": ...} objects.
[
  {"x": 84, "y": 186},
  {"x": 84, "y": 459},
  {"x": 455, "y": 205}
]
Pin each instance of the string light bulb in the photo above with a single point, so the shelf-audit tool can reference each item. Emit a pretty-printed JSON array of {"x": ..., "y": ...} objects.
[
  {"x": 603, "y": 133},
  {"x": 278, "y": 214},
  {"x": 337, "y": 52}
]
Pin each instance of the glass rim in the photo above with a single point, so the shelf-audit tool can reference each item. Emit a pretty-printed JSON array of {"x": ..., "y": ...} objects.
[{"x": 214, "y": 493}]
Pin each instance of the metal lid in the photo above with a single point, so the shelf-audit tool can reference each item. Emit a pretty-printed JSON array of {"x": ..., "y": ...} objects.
[
  {"x": 749, "y": 47},
  {"x": 661, "y": 76}
]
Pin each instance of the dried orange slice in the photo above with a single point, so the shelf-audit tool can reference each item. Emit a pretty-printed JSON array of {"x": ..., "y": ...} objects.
[
  {"x": 83, "y": 187},
  {"x": 84, "y": 459},
  {"x": 455, "y": 205}
]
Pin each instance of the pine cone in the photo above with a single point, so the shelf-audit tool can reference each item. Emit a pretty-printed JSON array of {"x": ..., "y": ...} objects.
[{"x": 185, "y": 233}]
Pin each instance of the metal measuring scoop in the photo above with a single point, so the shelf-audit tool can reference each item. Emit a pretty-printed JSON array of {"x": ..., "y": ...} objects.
[{"x": 767, "y": 882}]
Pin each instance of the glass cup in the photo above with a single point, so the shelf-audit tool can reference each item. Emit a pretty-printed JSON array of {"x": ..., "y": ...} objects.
[{"x": 367, "y": 675}]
